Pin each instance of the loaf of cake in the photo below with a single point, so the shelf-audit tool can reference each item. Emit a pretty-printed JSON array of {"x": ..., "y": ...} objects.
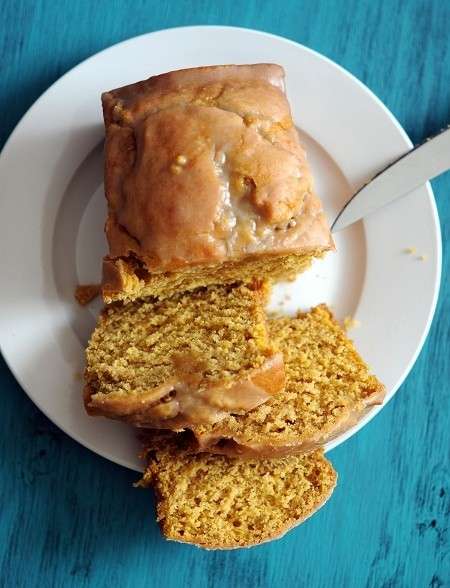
[
  {"x": 206, "y": 183},
  {"x": 182, "y": 361},
  {"x": 220, "y": 502},
  {"x": 329, "y": 389}
]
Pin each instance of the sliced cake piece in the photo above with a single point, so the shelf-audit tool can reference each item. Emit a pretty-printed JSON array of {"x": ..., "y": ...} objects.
[
  {"x": 221, "y": 502},
  {"x": 193, "y": 358},
  {"x": 206, "y": 183},
  {"x": 328, "y": 389}
]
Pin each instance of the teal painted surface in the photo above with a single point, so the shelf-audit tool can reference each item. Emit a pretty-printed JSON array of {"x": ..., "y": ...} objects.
[{"x": 69, "y": 518}]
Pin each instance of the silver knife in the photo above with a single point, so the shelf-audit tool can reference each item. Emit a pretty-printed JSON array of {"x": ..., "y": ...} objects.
[{"x": 423, "y": 163}]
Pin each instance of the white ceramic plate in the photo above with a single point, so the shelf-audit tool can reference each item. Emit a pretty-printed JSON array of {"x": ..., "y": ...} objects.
[{"x": 52, "y": 213}]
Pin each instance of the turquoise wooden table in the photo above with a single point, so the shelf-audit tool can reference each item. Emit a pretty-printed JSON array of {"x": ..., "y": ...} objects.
[{"x": 70, "y": 518}]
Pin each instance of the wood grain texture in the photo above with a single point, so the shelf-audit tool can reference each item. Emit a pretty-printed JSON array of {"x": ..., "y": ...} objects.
[{"x": 69, "y": 518}]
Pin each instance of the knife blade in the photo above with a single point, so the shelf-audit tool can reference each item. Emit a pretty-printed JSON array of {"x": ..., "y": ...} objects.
[{"x": 424, "y": 162}]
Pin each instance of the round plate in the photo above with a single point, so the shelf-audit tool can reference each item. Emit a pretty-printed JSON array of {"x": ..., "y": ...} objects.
[{"x": 52, "y": 213}]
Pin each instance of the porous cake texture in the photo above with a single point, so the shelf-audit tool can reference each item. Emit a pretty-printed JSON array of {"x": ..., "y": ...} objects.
[
  {"x": 221, "y": 502},
  {"x": 190, "y": 359},
  {"x": 328, "y": 389}
]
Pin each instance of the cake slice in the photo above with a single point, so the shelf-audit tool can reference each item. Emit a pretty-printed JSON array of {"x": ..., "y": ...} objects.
[
  {"x": 190, "y": 359},
  {"x": 220, "y": 502},
  {"x": 328, "y": 389},
  {"x": 206, "y": 183}
]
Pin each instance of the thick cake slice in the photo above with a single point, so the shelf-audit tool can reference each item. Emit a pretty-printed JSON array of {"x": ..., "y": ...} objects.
[
  {"x": 220, "y": 502},
  {"x": 193, "y": 358},
  {"x": 206, "y": 183},
  {"x": 328, "y": 389}
]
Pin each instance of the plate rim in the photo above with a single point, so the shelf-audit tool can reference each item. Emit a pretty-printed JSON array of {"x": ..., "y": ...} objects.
[{"x": 437, "y": 234}]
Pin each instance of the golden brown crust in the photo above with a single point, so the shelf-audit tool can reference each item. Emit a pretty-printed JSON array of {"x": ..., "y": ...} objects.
[
  {"x": 114, "y": 277},
  {"x": 220, "y": 444},
  {"x": 157, "y": 410},
  {"x": 219, "y": 140}
]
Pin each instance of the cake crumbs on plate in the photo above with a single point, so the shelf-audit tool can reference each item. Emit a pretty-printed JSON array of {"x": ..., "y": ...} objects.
[
  {"x": 86, "y": 293},
  {"x": 351, "y": 323},
  {"x": 413, "y": 251}
]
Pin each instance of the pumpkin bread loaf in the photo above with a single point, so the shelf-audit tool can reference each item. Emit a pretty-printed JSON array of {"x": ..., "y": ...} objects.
[
  {"x": 190, "y": 359},
  {"x": 206, "y": 183},
  {"x": 221, "y": 502},
  {"x": 328, "y": 389}
]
